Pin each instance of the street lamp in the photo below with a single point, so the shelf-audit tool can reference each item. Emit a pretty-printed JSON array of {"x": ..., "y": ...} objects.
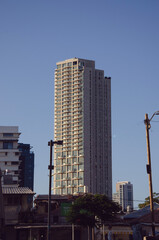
[
  {"x": 149, "y": 172},
  {"x": 50, "y": 167}
]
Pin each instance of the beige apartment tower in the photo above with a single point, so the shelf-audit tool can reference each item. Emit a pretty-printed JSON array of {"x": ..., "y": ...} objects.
[{"x": 83, "y": 121}]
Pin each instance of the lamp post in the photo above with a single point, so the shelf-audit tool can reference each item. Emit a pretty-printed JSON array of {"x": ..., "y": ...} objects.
[
  {"x": 149, "y": 172},
  {"x": 50, "y": 167}
]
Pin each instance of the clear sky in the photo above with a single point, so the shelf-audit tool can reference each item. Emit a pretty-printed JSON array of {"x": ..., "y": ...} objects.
[{"x": 122, "y": 36}]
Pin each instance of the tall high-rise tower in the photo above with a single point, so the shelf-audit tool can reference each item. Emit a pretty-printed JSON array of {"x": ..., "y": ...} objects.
[{"x": 83, "y": 122}]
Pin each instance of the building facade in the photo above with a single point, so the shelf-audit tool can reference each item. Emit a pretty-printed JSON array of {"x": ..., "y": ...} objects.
[
  {"x": 9, "y": 155},
  {"x": 82, "y": 119},
  {"x": 16, "y": 159},
  {"x": 27, "y": 166},
  {"x": 124, "y": 195}
]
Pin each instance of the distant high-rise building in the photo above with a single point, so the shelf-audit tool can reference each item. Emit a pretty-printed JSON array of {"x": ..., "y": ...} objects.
[
  {"x": 27, "y": 166},
  {"x": 124, "y": 195},
  {"x": 83, "y": 122}
]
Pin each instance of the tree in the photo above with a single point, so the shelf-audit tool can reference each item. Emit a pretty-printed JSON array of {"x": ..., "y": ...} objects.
[
  {"x": 147, "y": 200},
  {"x": 92, "y": 210}
]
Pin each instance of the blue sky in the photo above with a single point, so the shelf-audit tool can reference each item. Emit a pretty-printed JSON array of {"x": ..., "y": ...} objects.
[{"x": 121, "y": 36}]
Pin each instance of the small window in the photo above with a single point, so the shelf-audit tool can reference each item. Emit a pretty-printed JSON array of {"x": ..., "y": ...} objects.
[
  {"x": 15, "y": 182},
  {"x": 14, "y": 163},
  {"x": 74, "y": 153},
  {"x": 75, "y": 63},
  {"x": 55, "y": 219},
  {"x": 7, "y": 134},
  {"x": 58, "y": 66},
  {"x": 7, "y": 145},
  {"x": 7, "y": 179}
]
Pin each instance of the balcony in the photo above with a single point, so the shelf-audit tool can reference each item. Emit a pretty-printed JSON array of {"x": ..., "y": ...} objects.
[
  {"x": 8, "y": 150},
  {"x": 81, "y": 170}
]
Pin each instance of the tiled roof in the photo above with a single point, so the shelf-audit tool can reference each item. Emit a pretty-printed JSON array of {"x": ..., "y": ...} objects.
[
  {"x": 141, "y": 212},
  {"x": 53, "y": 197},
  {"x": 148, "y": 218},
  {"x": 58, "y": 197},
  {"x": 17, "y": 190}
]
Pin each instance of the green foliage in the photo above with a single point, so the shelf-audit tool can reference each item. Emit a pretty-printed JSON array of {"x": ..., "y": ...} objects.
[
  {"x": 147, "y": 200},
  {"x": 91, "y": 210}
]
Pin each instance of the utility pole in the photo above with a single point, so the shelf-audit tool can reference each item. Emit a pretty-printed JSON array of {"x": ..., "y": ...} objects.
[
  {"x": 50, "y": 167},
  {"x": 149, "y": 171}
]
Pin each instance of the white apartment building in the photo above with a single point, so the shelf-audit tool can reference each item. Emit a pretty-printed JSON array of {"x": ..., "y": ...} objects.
[
  {"x": 9, "y": 155},
  {"x": 124, "y": 195},
  {"x": 82, "y": 119}
]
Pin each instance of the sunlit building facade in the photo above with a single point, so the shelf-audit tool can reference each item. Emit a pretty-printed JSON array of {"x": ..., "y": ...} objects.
[
  {"x": 82, "y": 119},
  {"x": 9, "y": 155},
  {"x": 16, "y": 159}
]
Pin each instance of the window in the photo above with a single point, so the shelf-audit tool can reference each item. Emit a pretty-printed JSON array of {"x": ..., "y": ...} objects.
[
  {"x": 64, "y": 191},
  {"x": 80, "y": 174},
  {"x": 81, "y": 64},
  {"x": 80, "y": 152},
  {"x": 14, "y": 163},
  {"x": 68, "y": 168},
  {"x": 64, "y": 168},
  {"x": 58, "y": 191},
  {"x": 81, "y": 189},
  {"x": 7, "y": 134},
  {"x": 74, "y": 175},
  {"x": 69, "y": 152},
  {"x": 57, "y": 177},
  {"x": 7, "y": 145},
  {"x": 58, "y": 154},
  {"x": 64, "y": 154},
  {"x": 74, "y": 160},
  {"x": 80, "y": 182},
  {"x": 75, "y": 189},
  {"x": 7, "y": 179},
  {"x": 63, "y": 161},
  {"x": 57, "y": 184},
  {"x": 63, "y": 176},
  {"x": 69, "y": 190},
  {"x": 69, "y": 175},
  {"x": 55, "y": 219},
  {"x": 74, "y": 153},
  {"x": 75, "y": 182},
  {"x": 68, "y": 183},
  {"x": 80, "y": 167},
  {"x": 81, "y": 159}
]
